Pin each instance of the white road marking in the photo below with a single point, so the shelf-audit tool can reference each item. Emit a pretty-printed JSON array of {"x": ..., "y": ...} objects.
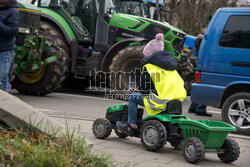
[
  {"x": 84, "y": 96},
  {"x": 214, "y": 112}
]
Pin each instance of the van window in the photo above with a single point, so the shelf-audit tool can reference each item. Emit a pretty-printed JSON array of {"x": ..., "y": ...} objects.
[{"x": 236, "y": 33}]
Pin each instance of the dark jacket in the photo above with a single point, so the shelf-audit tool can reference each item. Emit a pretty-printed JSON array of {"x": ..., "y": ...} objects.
[
  {"x": 163, "y": 59},
  {"x": 9, "y": 22},
  {"x": 197, "y": 44}
]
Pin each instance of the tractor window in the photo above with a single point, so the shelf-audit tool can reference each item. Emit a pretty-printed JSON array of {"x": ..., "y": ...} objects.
[
  {"x": 108, "y": 5},
  {"x": 85, "y": 11},
  {"x": 45, "y": 3},
  {"x": 133, "y": 8}
]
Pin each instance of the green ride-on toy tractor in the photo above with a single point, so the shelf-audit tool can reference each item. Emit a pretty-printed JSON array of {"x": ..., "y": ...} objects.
[{"x": 193, "y": 137}]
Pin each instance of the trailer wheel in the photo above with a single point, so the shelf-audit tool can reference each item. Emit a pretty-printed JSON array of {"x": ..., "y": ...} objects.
[
  {"x": 127, "y": 60},
  {"x": 231, "y": 151},
  {"x": 101, "y": 128},
  {"x": 193, "y": 150},
  {"x": 153, "y": 135},
  {"x": 120, "y": 133}
]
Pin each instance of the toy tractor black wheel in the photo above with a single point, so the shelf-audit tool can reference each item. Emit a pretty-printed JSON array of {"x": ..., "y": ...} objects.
[
  {"x": 101, "y": 128},
  {"x": 120, "y": 133},
  {"x": 153, "y": 135},
  {"x": 231, "y": 151},
  {"x": 126, "y": 60},
  {"x": 193, "y": 150}
]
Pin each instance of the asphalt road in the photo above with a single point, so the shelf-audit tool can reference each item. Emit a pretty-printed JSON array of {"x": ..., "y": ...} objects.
[{"x": 88, "y": 104}]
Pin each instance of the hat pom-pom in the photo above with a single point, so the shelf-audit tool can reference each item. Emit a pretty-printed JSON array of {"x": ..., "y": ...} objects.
[{"x": 159, "y": 37}]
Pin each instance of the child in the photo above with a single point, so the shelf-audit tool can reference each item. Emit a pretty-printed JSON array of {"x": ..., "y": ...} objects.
[{"x": 159, "y": 69}]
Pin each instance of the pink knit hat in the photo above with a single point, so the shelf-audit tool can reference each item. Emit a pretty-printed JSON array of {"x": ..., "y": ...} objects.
[{"x": 154, "y": 45}]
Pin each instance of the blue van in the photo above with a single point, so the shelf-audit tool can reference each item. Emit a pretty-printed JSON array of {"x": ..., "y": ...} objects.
[{"x": 222, "y": 79}]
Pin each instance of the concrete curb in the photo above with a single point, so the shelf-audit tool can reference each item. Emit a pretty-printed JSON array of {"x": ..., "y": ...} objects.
[
  {"x": 239, "y": 136},
  {"x": 18, "y": 114}
]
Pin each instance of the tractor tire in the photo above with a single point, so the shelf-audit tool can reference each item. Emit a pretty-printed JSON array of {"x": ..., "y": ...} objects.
[
  {"x": 46, "y": 80},
  {"x": 153, "y": 135},
  {"x": 186, "y": 69},
  {"x": 232, "y": 151},
  {"x": 193, "y": 150},
  {"x": 101, "y": 128},
  {"x": 127, "y": 60},
  {"x": 50, "y": 77},
  {"x": 120, "y": 133},
  {"x": 235, "y": 111}
]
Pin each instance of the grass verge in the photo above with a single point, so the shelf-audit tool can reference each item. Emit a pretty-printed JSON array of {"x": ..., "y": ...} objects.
[{"x": 33, "y": 148}]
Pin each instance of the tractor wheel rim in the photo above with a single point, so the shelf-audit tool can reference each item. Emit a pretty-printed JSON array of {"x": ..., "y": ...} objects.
[
  {"x": 30, "y": 78},
  {"x": 150, "y": 135},
  {"x": 239, "y": 113},
  {"x": 190, "y": 150},
  {"x": 99, "y": 129}
]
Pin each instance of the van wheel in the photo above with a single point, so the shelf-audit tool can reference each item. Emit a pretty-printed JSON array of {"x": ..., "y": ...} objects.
[{"x": 236, "y": 111}]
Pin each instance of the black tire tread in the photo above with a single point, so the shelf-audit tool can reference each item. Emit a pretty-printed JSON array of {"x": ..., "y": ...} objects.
[
  {"x": 107, "y": 126},
  {"x": 235, "y": 151},
  {"x": 48, "y": 83},
  {"x": 122, "y": 56},
  {"x": 200, "y": 150},
  {"x": 227, "y": 103},
  {"x": 162, "y": 135}
]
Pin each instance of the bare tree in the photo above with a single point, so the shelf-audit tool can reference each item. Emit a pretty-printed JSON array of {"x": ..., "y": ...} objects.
[{"x": 192, "y": 15}]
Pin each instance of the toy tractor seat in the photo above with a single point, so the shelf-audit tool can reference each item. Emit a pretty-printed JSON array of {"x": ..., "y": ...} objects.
[{"x": 174, "y": 107}]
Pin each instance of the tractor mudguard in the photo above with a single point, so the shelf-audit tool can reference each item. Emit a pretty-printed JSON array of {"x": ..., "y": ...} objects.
[
  {"x": 116, "y": 48},
  {"x": 60, "y": 22}
]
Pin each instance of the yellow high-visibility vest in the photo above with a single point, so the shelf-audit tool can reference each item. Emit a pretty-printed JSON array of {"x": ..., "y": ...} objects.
[{"x": 169, "y": 86}]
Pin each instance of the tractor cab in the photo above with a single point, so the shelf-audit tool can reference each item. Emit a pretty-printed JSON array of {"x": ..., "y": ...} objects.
[{"x": 81, "y": 15}]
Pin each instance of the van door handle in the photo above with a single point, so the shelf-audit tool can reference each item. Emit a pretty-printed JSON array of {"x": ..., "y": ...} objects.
[{"x": 241, "y": 64}]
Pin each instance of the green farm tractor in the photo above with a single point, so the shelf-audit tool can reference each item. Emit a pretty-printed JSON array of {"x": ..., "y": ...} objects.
[{"x": 87, "y": 35}]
